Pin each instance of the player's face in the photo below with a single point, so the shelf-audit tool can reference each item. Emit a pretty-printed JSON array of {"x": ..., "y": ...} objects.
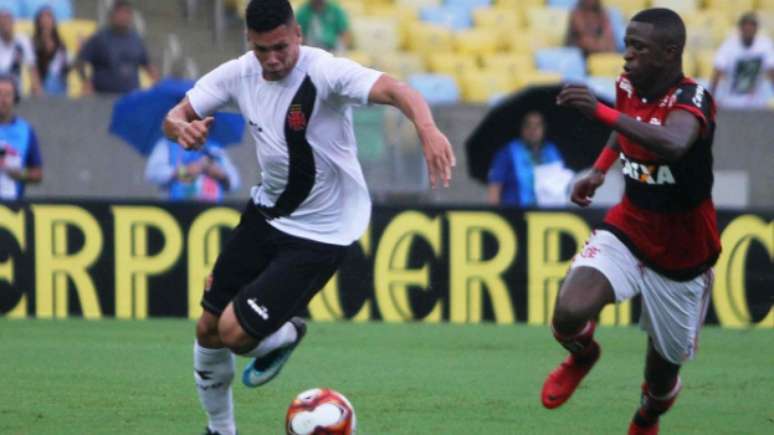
[
  {"x": 748, "y": 30},
  {"x": 277, "y": 50},
  {"x": 6, "y": 98},
  {"x": 644, "y": 57}
]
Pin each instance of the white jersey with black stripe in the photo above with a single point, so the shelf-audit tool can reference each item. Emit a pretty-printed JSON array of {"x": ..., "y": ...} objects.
[{"x": 299, "y": 126}]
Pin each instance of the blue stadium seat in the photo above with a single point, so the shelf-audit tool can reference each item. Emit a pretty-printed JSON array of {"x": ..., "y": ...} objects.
[
  {"x": 562, "y": 3},
  {"x": 567, "y": 61},
  {"x": 436, "y": 88},
  {"x": 11, "y": 6},
  {"x": 603, "y": 87},
  {"x": 63, "y": 9},
  {"x": 468, "y": 4},
  {"x": 618, "y": 23},
  {"x": 453, "y": 17}
]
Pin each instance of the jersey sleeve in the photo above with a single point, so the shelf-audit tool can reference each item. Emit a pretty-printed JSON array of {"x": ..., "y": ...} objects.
[
  {"x": 215, "y": 89},
  {"x": 33, "y": 158},
  {"x": 500, "y": 166},
  {"x": 693, "y": 98},
  {"x": 346, "y": 81}
]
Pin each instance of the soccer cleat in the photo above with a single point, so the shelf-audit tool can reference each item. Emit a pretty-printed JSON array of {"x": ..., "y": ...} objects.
[
  {"x": 262, "y": 370},
  {"x": 208, "y": 431},
  {"x": 562, "y": 382},
  {"x": 636, "y": 429}
]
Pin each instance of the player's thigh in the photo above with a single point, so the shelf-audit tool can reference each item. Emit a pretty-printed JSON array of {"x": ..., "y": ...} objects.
[
  {"x": 246, "y": 254},
  {"x": 605, "y": 271},
  {"x": 286, "y": 286},
  {"x": 673, "y": 313}
]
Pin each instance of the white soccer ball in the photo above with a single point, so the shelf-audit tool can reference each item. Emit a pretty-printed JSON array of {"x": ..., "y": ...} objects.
[{"x": 320, "y": 411}]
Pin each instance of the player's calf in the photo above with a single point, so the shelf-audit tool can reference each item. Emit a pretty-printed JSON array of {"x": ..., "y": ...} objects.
[{"x": 645, "y": 420}]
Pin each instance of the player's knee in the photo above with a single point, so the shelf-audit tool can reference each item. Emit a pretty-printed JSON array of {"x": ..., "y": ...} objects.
[
  {"x": 207, "y": 331},
  {"x": 567, "y": 317}
]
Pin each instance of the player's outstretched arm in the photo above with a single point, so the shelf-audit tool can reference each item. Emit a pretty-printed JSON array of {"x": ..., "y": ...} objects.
[
  {"x": 183, "y": 126},
  {"x": 583, "y": 190},
  {"x": 670, "y": 141},
  {"x": 438, "y": 151}
]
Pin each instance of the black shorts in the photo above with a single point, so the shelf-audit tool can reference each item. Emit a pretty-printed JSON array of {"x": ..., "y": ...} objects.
[{"x": 269, "y": 275}]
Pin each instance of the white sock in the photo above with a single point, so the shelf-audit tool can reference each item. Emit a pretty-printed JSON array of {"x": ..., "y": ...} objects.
[
  {"x": 213, "y": 372},
  {"x": 282, "y": 337}
]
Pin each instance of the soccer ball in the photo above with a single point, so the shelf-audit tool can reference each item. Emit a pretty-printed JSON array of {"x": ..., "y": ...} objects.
[{"x": 320, "y": 411}]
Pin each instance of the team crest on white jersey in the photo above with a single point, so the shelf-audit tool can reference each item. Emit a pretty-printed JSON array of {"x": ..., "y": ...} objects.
[{"x": 649, "y": 174}]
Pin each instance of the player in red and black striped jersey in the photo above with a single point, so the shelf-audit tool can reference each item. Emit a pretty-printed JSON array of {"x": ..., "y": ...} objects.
[{"x": 662, "y": 240}]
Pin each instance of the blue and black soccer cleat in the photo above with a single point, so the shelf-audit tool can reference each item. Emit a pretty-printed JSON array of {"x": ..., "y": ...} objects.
[{"x": 262, "y": 370}]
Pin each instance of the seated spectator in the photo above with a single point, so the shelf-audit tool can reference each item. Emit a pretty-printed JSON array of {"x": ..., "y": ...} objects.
[
  {"x": 52, "y": 63},
  {"x": 743, "y": 64},
  {"x": 589, "y": 28},
  {"x": 16, "y": 53},
  {"x": 202, "y": 175},
  {"x": 116, "y": 54},
  {"x": 324, "y": 25},
  {"x": 20, "y": 161},
  {"x": 512, "y": 173}
]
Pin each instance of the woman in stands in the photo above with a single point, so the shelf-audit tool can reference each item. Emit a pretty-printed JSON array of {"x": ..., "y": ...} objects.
[
  {"x": 52, "y": 61},
  {"x": 589, "y": 28}
]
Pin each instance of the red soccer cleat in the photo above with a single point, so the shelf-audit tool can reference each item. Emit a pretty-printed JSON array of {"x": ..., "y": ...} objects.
[{"x": 562, "y": 382}]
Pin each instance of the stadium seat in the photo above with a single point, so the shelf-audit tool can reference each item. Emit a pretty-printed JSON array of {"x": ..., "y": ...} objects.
[
  {"x": 618, "y": 23},
  {"x": 353, "y": 8},
  {"x": 24, "y": 27},
  {"x": 519, "y": 4},
  {"x": 399, "y": 64},
  {"x": 452, "y": 17},
  {"x": 455, "y": 65},
  {"x": 766, "y": 5},
  {"x": 527, "y": 41},
  {"x": 63, "y": 9},
  {"x": 375, "y": 34},
  {"x": 12, "y": 6},
  {"x": 682, "y": 7},
  {"x": 567, "y": 61},
  {"x": 627, "y": 7},
  {"x": 567, "y": 4},
  {"x": 406, "y": 17},
  {"x": 75, "y": 32},
  {"x": 428, "y": 38},
  {"x": 74, "y": 85},
  {"x": 510, "y": 64},
  {"x": 360, "y": 56},
  {"x": 550, "y": 21},
  {"x": 485, "y": 86},
  {"x": 733, "y": 9},
  {"x": 705, "y": 63},
  {"x": 689, "y": 65},
  {"x": 605, "y": 64},
  {"x": 538, "y": 78},
  {"x": 418, "y": 4},
  {"x": 504, "y": 22},
  {"x": 603, "y": 87},
  {"x": 436, "y": 88},
  {"x": 475, "y": 42},
  {"x": 470, "y": 5}
]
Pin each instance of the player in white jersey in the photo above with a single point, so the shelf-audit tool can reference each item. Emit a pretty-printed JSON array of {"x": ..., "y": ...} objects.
[{"x": 312, "y": 202}]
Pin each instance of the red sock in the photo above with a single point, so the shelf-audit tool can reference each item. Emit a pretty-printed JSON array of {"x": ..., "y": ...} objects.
[
  {"x": 652, "y": 407},
  {"x": 580, "y": 343}
]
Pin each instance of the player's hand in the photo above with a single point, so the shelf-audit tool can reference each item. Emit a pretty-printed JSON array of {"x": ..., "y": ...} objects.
[
  {"x": 584, "y": 189},
  {"x": 193, "y": 135},
  {"x": 438, "y": 155},
  {"x": 578, "y": 97}
]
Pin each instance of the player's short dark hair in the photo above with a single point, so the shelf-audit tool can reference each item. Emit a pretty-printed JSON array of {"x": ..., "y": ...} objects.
[
  {"x": 669, "y": 27},
  {"x": 266, "y": 15},
  {"x": 749, "y": 17}
]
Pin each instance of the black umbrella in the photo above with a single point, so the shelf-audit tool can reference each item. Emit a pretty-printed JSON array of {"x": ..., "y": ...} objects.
[{"x": 578, "y": 138}]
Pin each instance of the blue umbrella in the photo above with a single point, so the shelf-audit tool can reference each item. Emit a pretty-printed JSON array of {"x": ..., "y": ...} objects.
[{"x": 137, "y": 116}]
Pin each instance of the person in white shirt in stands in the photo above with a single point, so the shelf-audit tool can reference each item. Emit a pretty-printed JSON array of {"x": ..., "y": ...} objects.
[
  {"x": 744, "y": 66},
  {"x": 16, "y": 53},
  {"x": 313, "y": 201}
]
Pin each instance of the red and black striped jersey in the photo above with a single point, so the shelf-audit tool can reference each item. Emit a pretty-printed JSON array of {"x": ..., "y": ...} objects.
[{"x": 667, "y": 217}]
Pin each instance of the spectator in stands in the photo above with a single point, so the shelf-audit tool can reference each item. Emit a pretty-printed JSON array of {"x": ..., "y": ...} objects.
[
  {"x": 744, "y": 64},
  {"x": 20, "y": 161},
  {"x": 16, "y": 53},
  {"x": 203, "y": 175},
  {"x": 512, "y": 173},
  {"x": 324, "y": 25},
  {"x": 52, "y": 63},
  {"x": 589, "y": 28},
  {"x": 116, "y": 54}
]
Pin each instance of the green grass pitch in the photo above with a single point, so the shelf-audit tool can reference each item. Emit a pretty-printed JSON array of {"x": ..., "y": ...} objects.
[{"x": 135, "y": 377}]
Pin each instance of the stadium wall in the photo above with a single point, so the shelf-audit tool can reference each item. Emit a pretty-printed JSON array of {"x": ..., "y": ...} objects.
[
  {"x": 82, "y": 160},
  {"x": 429, "y": 264}
]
